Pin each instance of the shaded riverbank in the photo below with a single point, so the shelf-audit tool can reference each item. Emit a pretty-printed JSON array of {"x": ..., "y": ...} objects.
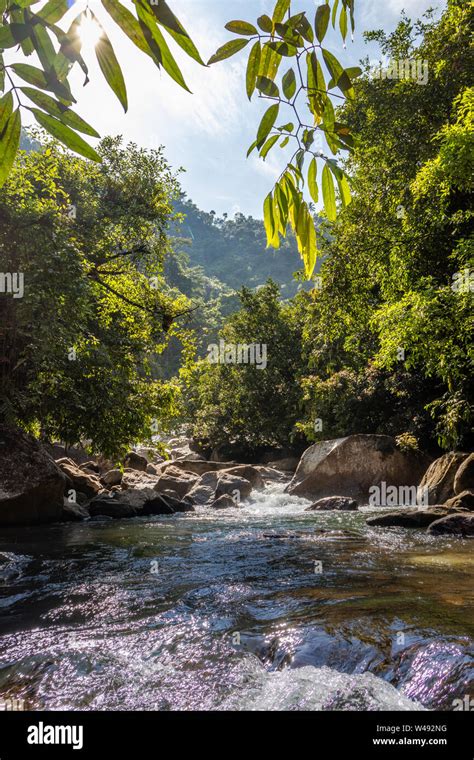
[{"x": 232, "y": 610}]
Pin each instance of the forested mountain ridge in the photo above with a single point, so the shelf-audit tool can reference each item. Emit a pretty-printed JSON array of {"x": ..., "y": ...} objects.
[{"x": 234, "y": 250}]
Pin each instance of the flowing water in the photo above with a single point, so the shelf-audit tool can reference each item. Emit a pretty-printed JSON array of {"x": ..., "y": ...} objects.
[{"x": 262, "y": 607}]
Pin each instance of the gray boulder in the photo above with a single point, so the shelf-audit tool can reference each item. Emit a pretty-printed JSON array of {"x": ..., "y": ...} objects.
[
  {"x": 440, "y": 475},
  {"x": 73, "y": 512},
  {"x": 112, "y": 477},
  {"x": 409, "y": 518},
  {"x": 31, "y": 484},
  {"x": 86, "y": 482},
  {"x": 464, "y": 479},
  {"x": 351, "y": 466},
  {"x": 224, "y": 502},
  {"x": 177, "y": 480},
  {"x": 135, "y": 461},
  {"x": 453, "y": 525},
  {"x": 342, "y": 503}
]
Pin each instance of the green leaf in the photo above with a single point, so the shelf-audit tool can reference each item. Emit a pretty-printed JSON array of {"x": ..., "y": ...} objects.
[
  {"x": 310, "y": 253},
  {"x": 252, "y": 68},
  {"x": 334, "y": 13},
  {"x": 268, "y": 146},
  {"x": 289, "y": 84},
  {"x": 241, "y": 27},
  {"x": 284, "y": 142},
  {"x": 344, "y": 189},
  {"x": 65, "y": 135},
  {"x": 312, "y": 181},
  {"x": 269, "y": 62},
  {"x": 110, "y": 66},
  {"x": 59, "y": 111},
  {"x": 267, "y": 87},
  {"x": 9, "y": 144},
  {"x": 305, "y": 29},
  {"x": 283, "y": 48},
  {"x": 338, "y": 73},
  {"x": 281, "y": 8},
  {"x": 53, "y": 11},
  {"x": 267, "y": 122},
  {"x": 6, "y": 110},
  {"x": 128, "y": 24},
  {"x": 159, "y": 49},
  {"x": 44, "y": 47},
  {"x": 45, "y": 81},
  {"x": 175, "y": 29},
  {"x": 329, "y": 194},
  {"x": 265, "y": 24},
  {"x": 252, "y": 148},
  {"x": 226, "y": 51},
  {"x": 343, "y": 23},
  {"x": 268, "y": 219},
  {"x": 321, "y": 21}
]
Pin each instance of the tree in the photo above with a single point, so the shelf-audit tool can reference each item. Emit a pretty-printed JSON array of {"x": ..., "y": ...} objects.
[
  {"x": 248, "y": 405},
  {"x": 392, "y": 320},
  {"x": 90, "y": 241}
]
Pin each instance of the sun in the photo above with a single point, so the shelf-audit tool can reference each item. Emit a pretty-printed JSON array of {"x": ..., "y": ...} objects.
[{"x": 90, "y": 31}]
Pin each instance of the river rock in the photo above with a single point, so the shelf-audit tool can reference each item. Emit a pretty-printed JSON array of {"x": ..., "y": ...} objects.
[
  {"x": 73, "y": 512},
  {"x": 177, "y": 480},
  {"x": 197, "y": 466},
  {"x": 200, "y": 495},
  {"x": 135, "y": 461},
  {"x": 151, "y": 454},
  {"x": 91, "y": 467},
  {"x": 86, "y": 482},
  {"x": 224, "y": 502},
  {"x": 453, "y": 525},
  {"x": 137, "y": 480},
  {"x": 234, "y": 485},
  {"x": 351, "y": 466},
  {"x": 462, "y": 502},
  {"x": 31, "y": 484},
  {"x": 342, "y": 503},
  {"x": 110, "y": 506},
  {"x": 248, "y": 472},
  {"x": 439, "y": 477},
  {"x": 409, "y": 518},
  {"x": 112, "y": 478},
  {"x": 464, "y": 479},
  {"x": 269, "y": 474},
  {"x": 289, "y": 464}
]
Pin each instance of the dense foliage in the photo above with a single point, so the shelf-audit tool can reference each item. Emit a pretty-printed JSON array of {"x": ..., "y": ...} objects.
[
  {"x": 89, "y": 240},
  {"x": 386, "y": 342}
]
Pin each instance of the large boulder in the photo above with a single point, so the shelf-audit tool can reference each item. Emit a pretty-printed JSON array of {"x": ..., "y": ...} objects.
[
  {"x": 135, "y": 461},
  {"x": 235, "y": 485},
  {"x": 340, "y": 503},
  {"x": 85, "y": 482},
  {"x": 248, "y": 472},
  {"x": 290, "y": 464},
  {"x": 224, "y": 502},
  {"x": 73, "y": 512},
  {"x": 464, "y": 501},
  {"x": 453, "y": 525},
  {"x": 112, "y": 477},
  {"x": 135, "y": 479},
  {"x": 464, "y": 479},
  {"x": 196, "y": 466},
  {"x": 438, "y": 480},
  {"x": 409, "y": 518},
  {"x": 351, "y": 466},
  {"x": 177, "y": 480},
  {"x": 31, "y": 484}
]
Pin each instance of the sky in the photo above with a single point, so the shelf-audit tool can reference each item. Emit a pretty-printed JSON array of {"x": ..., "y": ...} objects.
[{"x": 208, "y": 132}]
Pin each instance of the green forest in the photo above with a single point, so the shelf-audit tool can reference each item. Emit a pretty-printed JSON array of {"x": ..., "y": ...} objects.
[{"x": 137, "y": 282}]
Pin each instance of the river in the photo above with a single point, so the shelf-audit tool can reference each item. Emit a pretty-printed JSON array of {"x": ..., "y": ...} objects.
[{"x": 266, "y": 607}]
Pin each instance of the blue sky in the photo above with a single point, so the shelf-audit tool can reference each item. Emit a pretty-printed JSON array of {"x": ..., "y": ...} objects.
[{"x": 208, "y": 132}]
